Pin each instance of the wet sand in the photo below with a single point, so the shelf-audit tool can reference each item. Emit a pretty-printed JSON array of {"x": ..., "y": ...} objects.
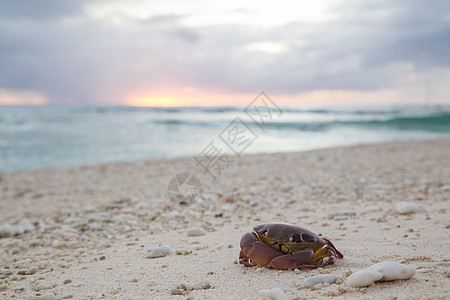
[{"x": 83, "y": 232}]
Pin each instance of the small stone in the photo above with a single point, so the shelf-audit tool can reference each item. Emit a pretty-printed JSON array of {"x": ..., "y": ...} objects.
[
  {"x": 102, "y": 257},
  {"x": 6, "y": 272},
  {"x": 363, "y": 278},
  {"x": 177, "y": 292},
  {"x": 273, "y": 294},
  {"x": 27, "y": 271},
  {"x": 3, "y": 287},
  {"x": 67, "y": 281},
  {"x": 341, "y": 215},
  {"x": 39, "y": 296},
  {"x": 183, "y": 252},
  {"x": 409, "y": 208},
  {"x": 160, "y": 251},
  {"x": 42, "y": 286},
  {"x": 374, "y": 208},
  {"x": 328, "y": 278},
  {"x": 184, "y": 287},
  {"x": 203, "y": 285},
  {"x": 195, "y": 232}
]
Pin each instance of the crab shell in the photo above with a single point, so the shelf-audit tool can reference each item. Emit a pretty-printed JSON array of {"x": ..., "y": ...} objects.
[{"x": 284, "y": 246}]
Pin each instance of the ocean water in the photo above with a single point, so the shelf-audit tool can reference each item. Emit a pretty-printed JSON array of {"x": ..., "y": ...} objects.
[{"x": 51, "y": 136}]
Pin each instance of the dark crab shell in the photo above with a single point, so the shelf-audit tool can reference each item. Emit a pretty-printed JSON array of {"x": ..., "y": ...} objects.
[
  {"x": 292, "y": 237},
  {"x": 285, "y": 246}
]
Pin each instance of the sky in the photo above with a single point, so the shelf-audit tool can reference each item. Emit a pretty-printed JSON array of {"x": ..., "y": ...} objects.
[{"x": 188, "y": 53}]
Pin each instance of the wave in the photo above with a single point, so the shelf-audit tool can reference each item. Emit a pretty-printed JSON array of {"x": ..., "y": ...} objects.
[{"x": 431, "y": 123}]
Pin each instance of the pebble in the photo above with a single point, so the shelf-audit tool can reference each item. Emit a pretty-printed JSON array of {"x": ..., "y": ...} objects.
[
  {"x": 183, "y": 252},
  {"x": 27, "y": 271},
  {"x": 329, "y": 278},
  {"x": 409, "y": 208},
  {"x": 195, "y": 232},
  {"x": 374, "y": 208},
  {"x": 363, "y": 278},
  {"x": 6, "y": 272},
  {"x": 273, "y": 294},
  {"x": 383, "y": 271},
  {"x": 177, "y": 292},
  {"x": 341, "y": 215},
  {"x": 12, "y": 230},
  {"x": 42, "y": 286},
  {"x": 160, "y": 251},
  {"x": 202, "y": 285},
  {"x": 39, "y": 296}
]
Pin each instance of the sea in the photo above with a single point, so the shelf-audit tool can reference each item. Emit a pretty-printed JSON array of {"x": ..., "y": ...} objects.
[{"x": 34, "y": 137}]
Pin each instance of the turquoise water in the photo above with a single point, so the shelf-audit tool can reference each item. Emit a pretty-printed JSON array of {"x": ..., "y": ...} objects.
[{"x": 50, "y": 136}]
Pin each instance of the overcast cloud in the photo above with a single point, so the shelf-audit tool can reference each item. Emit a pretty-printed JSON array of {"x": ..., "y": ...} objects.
[{"x": 71, "y": 52}]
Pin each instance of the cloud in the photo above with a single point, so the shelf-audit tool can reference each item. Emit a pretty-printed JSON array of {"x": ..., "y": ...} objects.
[
  {"x": 42, "y": 10},
  {"x": 75, "y": 54}
]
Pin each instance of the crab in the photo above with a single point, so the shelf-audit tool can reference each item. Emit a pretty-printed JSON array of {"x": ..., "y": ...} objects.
[{"x": 284, "y": 246}]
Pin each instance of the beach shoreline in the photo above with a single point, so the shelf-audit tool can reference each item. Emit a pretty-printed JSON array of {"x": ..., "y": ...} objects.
[{"x": 84, "y": 231}]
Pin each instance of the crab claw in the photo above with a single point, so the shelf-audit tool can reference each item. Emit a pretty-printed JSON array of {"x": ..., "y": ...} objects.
[
  {"x": 336, "y": 251},
  {"x": 295, "y": 260},
  {"x": 283, "y": 262},
  {"x": 254, "y": 252},
  {"x": 260, "y": 253}
]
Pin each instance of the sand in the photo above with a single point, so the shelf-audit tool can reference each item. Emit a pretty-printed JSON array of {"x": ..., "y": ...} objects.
[{"x": 91, "y": 226}]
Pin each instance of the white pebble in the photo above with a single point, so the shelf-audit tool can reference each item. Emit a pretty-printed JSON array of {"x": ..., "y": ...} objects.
[
  {"x": 202, "y": 285},
  {"x": 39, "y": 296},
  {"x": 195, "y": 232},
  {"x": 383, "y": 271},
  {"x": 409, "y": 208},
  {"x": 328, "y": 278},
  {"x": 393, "y": 270},
  {"x": 363, "y": 278},
  {"x": 273, "y": 294},
  {"x": 12, "y": 230},
  {"x": 6, "y": 272},
  {"x": 374, "y": 208},
  {"x": 160, "y": 251}
]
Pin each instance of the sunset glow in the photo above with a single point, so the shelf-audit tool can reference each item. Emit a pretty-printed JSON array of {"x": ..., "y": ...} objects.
[
  {"x": 159, "y": 101},
  {"x": 8, "y": 97}
]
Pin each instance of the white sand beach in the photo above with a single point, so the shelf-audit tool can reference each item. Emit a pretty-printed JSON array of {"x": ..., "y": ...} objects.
[{"x": 83, "y": 232}]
